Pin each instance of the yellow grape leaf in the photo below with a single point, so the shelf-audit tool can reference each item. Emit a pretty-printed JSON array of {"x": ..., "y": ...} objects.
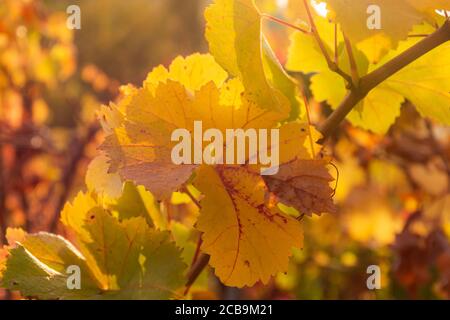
[
  {"x": 279, "y": 78},
  {"x": 304, "y": 54},
  {"x": 248, "y": 239},
  {"x": 397, "y": 19},
  {"x": 429, "y": 7},
  {"x": 426, "y": 83},
  {"x": 193, "y": 72},
  {"x": 233, "y": 31},
  {"x": 375, "y": 47},
  {"x": 328, "y": 86},
  {"x": 140, "y": 149},
  {"x": 296, "y": 11},
  {"x": 99, "y": 180},
  {"x": 304, "y": 185},
  {"x": 377, "y": 112},
  {"x": 228, "y": 108}
]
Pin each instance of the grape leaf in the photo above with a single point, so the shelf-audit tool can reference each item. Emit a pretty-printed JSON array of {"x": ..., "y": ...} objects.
[
  {"x": 140, "y": 148},
  {"x": 248, "y": 239},
  {"x": 193, "y": 72},
  {"x": 304, "y": 185},
  {"x": 397, "y": 19},
  {"x": 98, "y": 178},
  {"x": 426, "y": 83},
  {"x": 135, "y": 201},
  {"x": 378, "y": 111},
  {"x": 279, "y": 78},
  {"x": 429, "y": 7},
  {"x": 118, "y": 259},
  {"x": 37, "y": 267},
  {"x": 233, "y": 31}
]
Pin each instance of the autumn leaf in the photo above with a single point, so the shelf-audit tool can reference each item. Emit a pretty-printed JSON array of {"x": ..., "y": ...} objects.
[
  {"x": 379, "y": 109},
  {"x": 304, "y": 185},
  {"x": 118, "y": 259},
  {"x": 140, "y": 148},
  {"x": 248, "y": 239},
  {"x": 233, "y": 31},
  {"x": 140, "y": 145},
  {"x": 37, "y": 267},
  {"x": 99, "y": 179},
  {"x": 397, "y": 20}
]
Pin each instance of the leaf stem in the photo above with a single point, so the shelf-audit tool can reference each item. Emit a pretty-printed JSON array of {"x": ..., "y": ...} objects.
[
  {"x": 331, "y": 64},
  {"x": 284, "y": 23},
  {"x": 308, "y": 117},
  {"x": 197, "y": 268},
  {"x": 336, "y": 53},
  {"x": 373, "y": 79},
  {"x": 194, "y": 200},
  {"x": 351, "y": 58}
]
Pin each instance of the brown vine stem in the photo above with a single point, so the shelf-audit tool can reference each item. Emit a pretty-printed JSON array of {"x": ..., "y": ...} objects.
[
  {"x": 373, "y": 79},
  {"x": 194, "y": 272},
  {"x": 200, "y": 260},
  {"x": 336, "y": 53}
]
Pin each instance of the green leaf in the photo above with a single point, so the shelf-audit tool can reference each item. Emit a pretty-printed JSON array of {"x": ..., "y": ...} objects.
[
  {"x": 118, "y": 258},
  {"x": 37, "y": 268}
]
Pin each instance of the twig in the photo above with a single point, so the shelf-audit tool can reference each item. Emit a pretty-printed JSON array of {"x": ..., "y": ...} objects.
[
  {"x": 373, "y": 79},
  {"x": 418, "y": 35},
  {"x": 308, "y": 117},
  {"x": 331, "y": 65},
  {"x": 336, "y": 53},
  {"x": 284, "y": 23},
  {"x": 195, "y": 271},
  {"x": 194, "y": 200},
  {"x": 351, "y": 58}
]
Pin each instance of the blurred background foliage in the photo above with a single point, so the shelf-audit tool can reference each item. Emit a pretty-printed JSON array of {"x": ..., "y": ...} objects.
[{"x": 392, "y": 190}]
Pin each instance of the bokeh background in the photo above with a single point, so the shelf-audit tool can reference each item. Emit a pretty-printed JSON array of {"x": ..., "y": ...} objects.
[{"x": 392, "y": 191}]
